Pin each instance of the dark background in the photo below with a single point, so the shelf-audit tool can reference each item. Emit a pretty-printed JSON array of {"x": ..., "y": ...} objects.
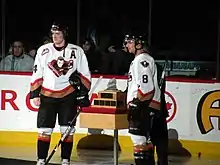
[{"x": 185, "y": 28}]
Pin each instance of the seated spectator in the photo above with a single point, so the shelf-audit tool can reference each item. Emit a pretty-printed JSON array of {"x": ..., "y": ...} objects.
[
  {"x": 32, "y": 53},
  {"x": 92, "y": 55},
  {"x": 17, "y": 60}
]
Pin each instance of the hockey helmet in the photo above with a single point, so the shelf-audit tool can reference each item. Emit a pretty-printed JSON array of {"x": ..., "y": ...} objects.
[
  {"x": 138, "y": 39},
  {"x": 59, "y": 26}
]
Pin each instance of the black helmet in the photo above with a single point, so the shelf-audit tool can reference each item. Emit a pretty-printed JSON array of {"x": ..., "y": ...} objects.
[
  {"x": 59, "y": 26},
  {"x": 139, "y": 39}
]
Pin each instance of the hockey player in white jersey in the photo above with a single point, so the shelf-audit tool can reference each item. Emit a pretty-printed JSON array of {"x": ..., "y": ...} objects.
[
  {"x": 143, "y": 99},
  {"x": 57, "y": 66}
]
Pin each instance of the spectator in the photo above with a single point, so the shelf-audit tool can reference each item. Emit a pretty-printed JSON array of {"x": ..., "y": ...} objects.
[
  {"x": 17, "y": 60},
  {"x": 92, "y": 55},
  {"x": 117, "y": 61},
  {"x": 32, "y": 53}
]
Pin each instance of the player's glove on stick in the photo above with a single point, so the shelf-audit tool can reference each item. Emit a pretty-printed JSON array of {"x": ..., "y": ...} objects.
[
  {"x": 138, "y": 117},
  {"x": 134, "y": 109},
  {"x": 75, "y": 81},
  {"x": 82, "y": 99}
]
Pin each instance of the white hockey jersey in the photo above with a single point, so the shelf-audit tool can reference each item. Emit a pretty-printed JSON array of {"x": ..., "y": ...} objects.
[
  {"x": 52, "y": 69},
  {"x": 142, "y": 81}
]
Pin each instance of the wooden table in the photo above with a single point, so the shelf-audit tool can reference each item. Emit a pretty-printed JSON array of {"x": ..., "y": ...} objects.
[{"x": 105, "y": 121}]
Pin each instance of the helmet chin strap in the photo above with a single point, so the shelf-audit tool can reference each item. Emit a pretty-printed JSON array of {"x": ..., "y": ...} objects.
[{"x": 136, "y": 49}]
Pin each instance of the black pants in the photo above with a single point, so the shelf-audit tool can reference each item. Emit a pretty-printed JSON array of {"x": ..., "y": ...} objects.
[
  {"x": 159, "y": 136},
  {"x": 49, "y": 108}
]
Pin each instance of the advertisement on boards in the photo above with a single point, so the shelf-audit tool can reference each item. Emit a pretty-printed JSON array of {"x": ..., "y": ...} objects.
[
  {"x": 193, "y": 107},
  {"x": 206, "y": 118}
]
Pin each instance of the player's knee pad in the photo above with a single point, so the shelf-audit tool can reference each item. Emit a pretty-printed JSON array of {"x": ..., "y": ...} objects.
[
  {"x": 138, "y": 139},
  {"x": 69, "y": 137},
  {"x": 64, "y": 128},
  {"x": 44, "y": 134},
  {"x": 143, "y": 150}
]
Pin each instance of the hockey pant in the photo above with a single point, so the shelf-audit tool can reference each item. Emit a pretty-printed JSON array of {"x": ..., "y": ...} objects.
[{"x": 49, "y": 109}]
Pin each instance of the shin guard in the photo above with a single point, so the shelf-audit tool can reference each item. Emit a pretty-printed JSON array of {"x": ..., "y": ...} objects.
[
  {"x": 66, "y": 147},
  {"x": 43, "y": 144},
  {"x": 144, "y": 154}
]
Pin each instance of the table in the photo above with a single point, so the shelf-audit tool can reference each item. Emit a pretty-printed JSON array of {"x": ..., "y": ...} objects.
[{"x": 105, "y": 121}]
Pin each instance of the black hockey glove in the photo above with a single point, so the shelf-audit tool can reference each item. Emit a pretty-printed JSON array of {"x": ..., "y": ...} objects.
[
  {"x": 135, "y": 117},
  {"x": 82, "y": 99},
  {"x": 75, "y": 81},
  {"x": 134, "y": 110},
  {"x": 138, "y": 117}
]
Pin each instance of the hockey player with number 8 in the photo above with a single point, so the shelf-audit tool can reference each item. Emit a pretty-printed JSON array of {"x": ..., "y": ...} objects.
[{"x": 143, "y": 99}]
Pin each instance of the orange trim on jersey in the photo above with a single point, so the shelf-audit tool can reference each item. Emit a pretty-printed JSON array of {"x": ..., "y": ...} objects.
[
  {"x": 69, "y": 138},
  {"x": 43, "y": 137},
  {"x": 145, "y": 96},
  {"x": 85, "y": 81},
  {"x": 155, "y": 105},
  {"x": 57, "y": 94},
  {"x": 146, "y": 147},
  {"x": 36, "y": 84}
]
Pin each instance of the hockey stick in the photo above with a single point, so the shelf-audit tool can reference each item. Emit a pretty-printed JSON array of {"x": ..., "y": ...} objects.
[
  {"x": 71, "y": 123},
  {"x": 162, "y": 79}
]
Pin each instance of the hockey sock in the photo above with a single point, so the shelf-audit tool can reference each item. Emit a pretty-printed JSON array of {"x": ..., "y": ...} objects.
[
  {"x": 66, "y": 147},
  {"x": 144, "y": 162},
  {"x": 144, "y": 154},
  {"x": 140, "y": 162},
  {"x": 43, "y": 145}
]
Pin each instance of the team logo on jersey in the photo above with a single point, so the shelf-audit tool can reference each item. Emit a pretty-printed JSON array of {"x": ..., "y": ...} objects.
[
  {"x": 45, "y": 51},
  {"x": 60, "y": 66},
  {"x": 144, "y": 64}
]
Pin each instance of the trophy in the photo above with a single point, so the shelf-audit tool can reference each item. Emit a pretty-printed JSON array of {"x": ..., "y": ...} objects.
[{"x": 111, "y": 97}]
